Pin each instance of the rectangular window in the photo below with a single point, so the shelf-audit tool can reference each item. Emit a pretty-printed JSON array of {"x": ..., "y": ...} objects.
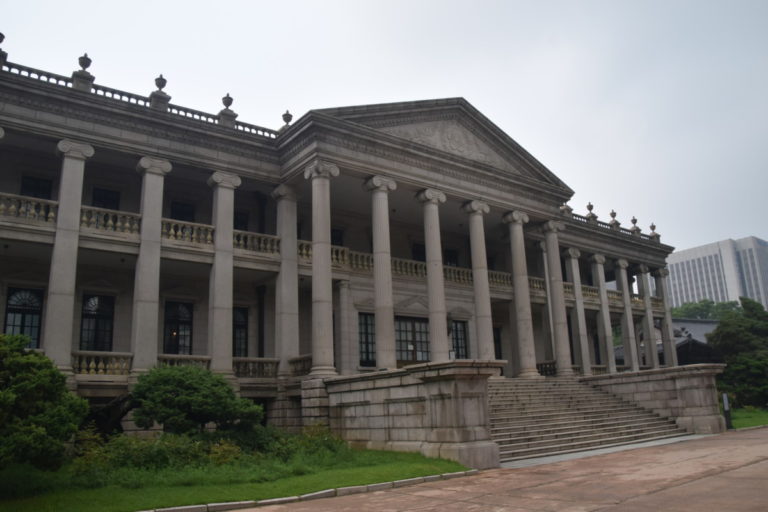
[
  {"x": 241, "y": 220},
  {"x": 367, "y": 339},
  {"x": 240, "y": 332},
  {"x": 97, "y": 323},
  {"x": 23, "y": 314},
  {"x": 411, "y": 340},
  {"x": 36, "y": 187},
  {"x": 177, "y": 333},
  {"x": 104, "y": 198},
  {"x": 182, "y": 211},
  {"x": 459, "y": 338}
]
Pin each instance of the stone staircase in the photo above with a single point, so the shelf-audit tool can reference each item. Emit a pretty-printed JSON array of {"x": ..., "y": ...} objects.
[{"x": 552, "y": 416}]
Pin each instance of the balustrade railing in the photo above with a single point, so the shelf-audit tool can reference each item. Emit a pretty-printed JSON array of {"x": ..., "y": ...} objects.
[
  {"x": 599, "y": 369},
  {"x": 301, "y": 365},
  {"x": 568, "y": 289},
  {"x": 361, "y": 261},
  {"x": 657, "y": 302},
  {"x": 255, "y": 367},
  {"x": 623, "y": 368},
  {"x": 497, "y": 278},
  {"x": 615, "y": 296},
  {"x": 305, "y": 250},
  {"x": 589, "y": 292},
  {"x": 36, "y": 74},
  {"x": 187, "y": 231},
  {"x": 126, "y": 97},
  {"x": 409, "y": 268},
  {"x": 91, "y": 362},
  {"x": 339, "y": 256},
  {"x": 637, "y": 301},
  {"x": 28, "y": 208},
  {"x": 537, "y": 283},
  {"x": 110, "y": 220},
  {"x": 184, "y": 360},
  {"x": 547, "y": 368},
  {"x": 256, "y": 242},
  {"x": 457, "y": 275}
]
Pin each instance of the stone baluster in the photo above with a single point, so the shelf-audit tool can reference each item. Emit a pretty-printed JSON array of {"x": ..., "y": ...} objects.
[
  {"x": 221, "y": 285},
  {"x": 483, "y": 318},
  {"x": 604, "y": 328},
  {"x": 287, "y": 284},
  {"x": 578, "y": 315},
  {"x": 322, "y": 283},
  {"x": 627, "y": 321},
  {"x": 438, "y": 329},
  {"x": 667, "y": 336},
  {"x": 60, "y": 310},
  {"x": 526, "y": 350},
  {"x": 384, "y": 318},
  {"x": 557, "y": 299},
  {"x": 649, "y": 330},
  {"x": 146, "y": 285}
]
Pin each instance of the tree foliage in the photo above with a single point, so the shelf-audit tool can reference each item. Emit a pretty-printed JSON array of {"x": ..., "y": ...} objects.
[
  {"x": 38, "y": 415},
  {"x": 742, "y": 340},
  {"x": 705, "y": 309},
  {"x": 184, "y": 399}
]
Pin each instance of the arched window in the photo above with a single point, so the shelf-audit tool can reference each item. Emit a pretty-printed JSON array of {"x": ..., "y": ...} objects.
[
  {"x": 97, "y": 322},
  {"x": 23, "y": 314},
  {"x": 178, "y": 328}
]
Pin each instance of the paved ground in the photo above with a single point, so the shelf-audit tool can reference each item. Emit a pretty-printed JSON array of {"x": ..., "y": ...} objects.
[{"x": 727, "y": 472}]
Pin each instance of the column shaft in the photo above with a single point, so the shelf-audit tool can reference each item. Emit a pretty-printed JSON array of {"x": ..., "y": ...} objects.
[
  {"x": 522, "y": 296},
  {"x": 438, "y": 329},
  {"x": 287, "y": 285},
  {"x": 604, "y": 328},
  {"x": 667, "y": 336},
  {"x": 649, "y": 330},
  {"x": 58, "y": 324},
  {"x": 221, "y": 285},
  {"x": 578, "y": 315},
  {"x": 384, "y": 318},
  {"x": 348, "y": 352},
  {"x": 557, "y": 300},
  {"x": 627, "y": 321},
  {"x": 146, "y": 284},
  {"x": 483, "y": 317}
]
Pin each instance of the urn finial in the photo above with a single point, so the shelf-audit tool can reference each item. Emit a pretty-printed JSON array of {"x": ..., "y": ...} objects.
[
  {"x": 160, "y": 82},
  {"x": 287, "y": 118},
  {"x": 227, "y": 101},
  {"x": 84, "y": 61}
]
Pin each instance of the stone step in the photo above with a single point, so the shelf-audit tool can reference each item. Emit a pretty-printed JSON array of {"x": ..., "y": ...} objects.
[
  {"x": 586, "y": 423},
  {"x": 545, "y": 416},
  {"x": 543, "y": 411},
  {"x": 582, "y": 433},
  {"x": 553, "y": 403}
]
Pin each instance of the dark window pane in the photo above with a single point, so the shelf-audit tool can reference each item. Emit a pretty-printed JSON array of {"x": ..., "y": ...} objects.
[
  {"x": 241, "y": 220},
  {"x": 177, "y": 335},
  {"x": 97, "y": 322},
  {"x": 367, "y": 339},
  {"x": 36, "y": 187},
  {"x": 419, "y": 252},
  {"x": 23, "y": 313},
  {"x": 240, "y": 332},
  {"x": 337, "y": 237},
  {"x": 103, "y": 198},
  {"x": 459, "y": 338},
  {"x": 411, "y": 340},
  {"x": 451, "y": 257},
  {"x": 182, "y": 211}
]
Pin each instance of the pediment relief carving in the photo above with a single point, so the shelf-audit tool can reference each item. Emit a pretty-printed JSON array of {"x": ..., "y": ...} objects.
[
  {"x": 460, "y": 313},
  {"x": 366, "y": 304},
  {"x": 413, "y": 305}
]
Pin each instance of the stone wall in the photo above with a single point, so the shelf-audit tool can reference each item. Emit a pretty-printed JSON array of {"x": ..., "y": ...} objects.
[
  {"x": 685, "y": 393},
  {"x": 437, "y": 409}
]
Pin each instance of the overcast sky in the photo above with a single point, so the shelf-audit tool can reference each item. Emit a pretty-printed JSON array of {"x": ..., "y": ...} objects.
[{"x": 657, "y": 109}]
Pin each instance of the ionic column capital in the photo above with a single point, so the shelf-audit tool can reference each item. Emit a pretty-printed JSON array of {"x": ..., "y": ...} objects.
[
  {"x": 515, "y": 217},
  {"x": 553, "y": 226},
  {"x": 430, "y": 195},
  {"x": 321, "y": 169},
  {"x": 73, "y": 149},
  {"x": 572, "y": 253},
  {"x": 284, "y": 191},
  {"x": 622, "y": 263},
  {"x": 380, "y": 184},
  {"x": 476, "y": 206},
  {"x": 643, "y": 269},
  {"x": 661, "y": 272},
  {"x": 151, "y": 165},
  {"x": 598, "y": 258},
  {"x": 224, "y": 180}
]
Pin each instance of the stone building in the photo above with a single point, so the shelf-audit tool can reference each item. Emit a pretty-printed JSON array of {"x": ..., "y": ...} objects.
[{"x": 358, "y": 264}]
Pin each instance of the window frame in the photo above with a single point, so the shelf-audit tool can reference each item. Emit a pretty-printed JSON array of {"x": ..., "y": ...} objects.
[
  {"x": 174, "y": 346},
  {"x": 103, "y": 324},
  {"x": 24, "y": 326}
]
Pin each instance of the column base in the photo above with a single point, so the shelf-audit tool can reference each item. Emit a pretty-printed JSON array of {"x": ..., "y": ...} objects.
[
  {"x": 568, "y": 372},
  {"x": 529, "y": 374},
  {"x": 323, "y": 371}
]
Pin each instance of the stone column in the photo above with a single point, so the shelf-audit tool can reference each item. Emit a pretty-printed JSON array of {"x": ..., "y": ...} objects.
[
  {"x": 667, "y": 336},
  {"x": 220, "y": 289},
  {"x": 384, "y": 318},
  {"x": 146, "y": 284},
  {"x": 578, "y": 317},
  {"x": 649, "y": 330},
  {"x": 627, "y": 322},
  {"x": 483, "y": 318},
  {"x": 557, "y": 299},
  {"x": 438, "y": 328},
  {"x": 604, "y": 329},
  {"x": 287, "y": 284},
  {"x": 322, "y": 283},
  {"x": 348, "y": 354},
  {"x": 60, "y": 302},
  {"x": 524, "y": 319}
]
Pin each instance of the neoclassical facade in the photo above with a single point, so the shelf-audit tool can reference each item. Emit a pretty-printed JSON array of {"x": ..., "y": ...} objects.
[{"x": 135, "y": 232}]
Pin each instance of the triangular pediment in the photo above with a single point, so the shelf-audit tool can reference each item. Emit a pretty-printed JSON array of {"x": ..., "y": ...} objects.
[{"x": 415, "y": 305}]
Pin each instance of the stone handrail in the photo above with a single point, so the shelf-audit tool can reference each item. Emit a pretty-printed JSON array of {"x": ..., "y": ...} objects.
[
  {"x": 589, "y": 292},
  {"x": 537, "y": 283},
  {"x": 361, "y": 261},
  {"x": 93, "y": 362},
  {"x": 255, "y": 130},
  {"x": 36, "y": 74},
  {"x": 498, "y": 278},
  {"x": 305, "y": 250},
  {"x": 599, "y": 369},
  {"x": 615, "y": 296},
  {"x": 581, "y": 219},
  {"x": 31, "y": 208},
  {"x": 458, "y": 275},
  {"x": 125, "y": 97},
  {"x": 255, "y": 367},
  {"x": 568, "y": 289},
  {"x": 410, "y": 268},
  {"x": 256, "y": 242},
  {"x": 184, "y": 360},
  {"x": 191, "y": 113},
  {"x": 547, "y": 368},
  {"x": 339, "y": 256},
  {"x": 187, "y": 231},
  {"x": 300, "y": 365},
  {"x": 109, "y": 220}
]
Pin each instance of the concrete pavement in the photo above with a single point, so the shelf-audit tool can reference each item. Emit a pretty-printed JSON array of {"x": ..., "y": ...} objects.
[{"x": 727, "y": 472}]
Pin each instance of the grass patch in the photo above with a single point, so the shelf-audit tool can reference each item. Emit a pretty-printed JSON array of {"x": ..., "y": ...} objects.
[
  {"x": 749, "y": 417},
  {"x": 146, "y": 489}
]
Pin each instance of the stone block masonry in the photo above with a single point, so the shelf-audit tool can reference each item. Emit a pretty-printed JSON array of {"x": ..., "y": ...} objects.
[
  {"x": 686, "y": 393},
  {"x": 437, "y": 409}
]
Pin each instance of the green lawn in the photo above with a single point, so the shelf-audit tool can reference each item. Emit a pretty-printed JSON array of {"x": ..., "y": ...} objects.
[
  {"x": 390, "y": 466},
  {"x": 749, "y": 417}
]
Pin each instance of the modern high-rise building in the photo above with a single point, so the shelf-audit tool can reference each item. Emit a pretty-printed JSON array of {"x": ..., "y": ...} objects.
[{"x": 720, "y": 271}]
